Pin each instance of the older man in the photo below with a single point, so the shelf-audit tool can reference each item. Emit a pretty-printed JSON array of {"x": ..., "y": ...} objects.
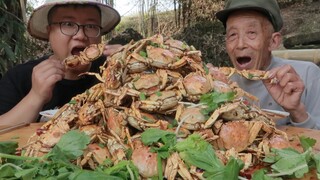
[{"x": 252, "y": 32}]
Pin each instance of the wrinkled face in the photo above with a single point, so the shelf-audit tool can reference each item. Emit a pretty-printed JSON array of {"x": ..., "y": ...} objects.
[
  {"x": 249, "y": 40},
  {"x": 64, "y": 45}
]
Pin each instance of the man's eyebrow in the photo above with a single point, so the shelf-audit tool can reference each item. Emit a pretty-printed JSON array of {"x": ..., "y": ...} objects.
[
  {"x": 68, "y": 17},
  {"x": 253, "y": 24}
]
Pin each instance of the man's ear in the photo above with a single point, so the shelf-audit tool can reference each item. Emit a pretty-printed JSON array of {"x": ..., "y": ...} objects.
[
  {"x": 275, "y": 41},
  {"x": 48, "y": 29}
]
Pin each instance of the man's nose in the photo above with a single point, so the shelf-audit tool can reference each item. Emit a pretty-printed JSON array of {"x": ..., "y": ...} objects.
[
  {"x": 80, "y": 34},
  {"x": 241, "y": 42}
]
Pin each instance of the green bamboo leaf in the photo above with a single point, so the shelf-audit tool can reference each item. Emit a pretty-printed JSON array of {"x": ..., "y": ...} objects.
[
  {"x": 8, "y": 51},
  {"x": 3, "y": 20}
]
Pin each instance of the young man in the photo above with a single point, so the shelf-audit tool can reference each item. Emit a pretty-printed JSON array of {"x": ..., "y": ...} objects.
[
  {"x": 43, "y": 84},
  {"x": 252, "y": 32}
]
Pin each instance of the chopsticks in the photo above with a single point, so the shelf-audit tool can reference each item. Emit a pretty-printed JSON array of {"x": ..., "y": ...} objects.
[{"x": 6, "y": 128}]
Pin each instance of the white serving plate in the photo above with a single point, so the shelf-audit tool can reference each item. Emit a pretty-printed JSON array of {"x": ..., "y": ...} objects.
[
  {"x": 48, "y": 114},
  {"x": 276, "y": 114}
]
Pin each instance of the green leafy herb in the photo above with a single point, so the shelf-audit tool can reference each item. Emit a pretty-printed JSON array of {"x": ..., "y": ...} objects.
[
  {"x": 8, "y": 147},
  {"x": 73, "y": 101},
  {"x": 250, "y": 76},
  {"x": 123, "y": 170},
  {"x": 261, "y": 175},
  {"x": 184, "y": 46},
  {"x": 147, "y": 119},
  {"x": 85, "y": 175},
  {"x": 214, "y": 99},
  {"x": 55, "y": 164},
  {"x": 70, "y": 146},
  {"x": 151, "y": 136},
  {"x": 206, "y": 69},
  {"x": 316, "y": 163},
  {"x": 143, "y": 54},
  {"x": 307, "y": 142},
  {"x": 288, "y": 162},
  {"x": 173, "y": 123},
  {"x": 142, "y": 96},
  {"x": 230, "y": 171},
  {"x": 158, "y": 93},
  {"x": 196, "y": 151},
  {"x": 154, "y": 44}
]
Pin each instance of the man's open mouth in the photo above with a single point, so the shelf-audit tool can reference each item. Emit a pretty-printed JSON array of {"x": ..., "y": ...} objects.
[
  {"x": 243, "y": 60},
  {"x": 76, "y": 50}
]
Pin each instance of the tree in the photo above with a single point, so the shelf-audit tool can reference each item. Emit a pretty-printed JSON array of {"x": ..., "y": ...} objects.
[
  {"x": 12, "y": 30},
  {"x": 16, "y": 46}
]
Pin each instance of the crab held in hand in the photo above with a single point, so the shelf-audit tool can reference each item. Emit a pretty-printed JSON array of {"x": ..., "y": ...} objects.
[{"x": 89, "y": 54}]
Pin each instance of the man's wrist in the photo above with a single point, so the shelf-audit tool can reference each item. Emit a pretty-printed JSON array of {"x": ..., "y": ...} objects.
[{"x": 299, "y": 114}]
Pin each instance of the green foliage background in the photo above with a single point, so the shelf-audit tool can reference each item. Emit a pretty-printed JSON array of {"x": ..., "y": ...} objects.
[{"x": 16, "y": 46}]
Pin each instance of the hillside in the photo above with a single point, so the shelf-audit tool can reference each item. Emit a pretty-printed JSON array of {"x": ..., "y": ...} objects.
[
  {"x": 302, "y": 25},
  {"x": 301, "y": 30}
]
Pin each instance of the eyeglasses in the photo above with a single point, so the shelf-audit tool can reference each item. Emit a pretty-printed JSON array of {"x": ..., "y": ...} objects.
[{"x": 71, "y": 29}]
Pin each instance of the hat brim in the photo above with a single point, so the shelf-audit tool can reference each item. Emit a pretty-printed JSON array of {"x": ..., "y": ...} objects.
[
  {"x": 224, "y": 14},
  {"x": 37, "y": 25}
]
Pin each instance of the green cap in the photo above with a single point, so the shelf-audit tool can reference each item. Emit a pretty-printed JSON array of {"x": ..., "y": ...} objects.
[{"x": 269, "y": 8}]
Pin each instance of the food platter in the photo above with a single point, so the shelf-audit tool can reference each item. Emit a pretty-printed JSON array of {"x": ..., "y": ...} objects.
[{"x": 161, "y": 106}]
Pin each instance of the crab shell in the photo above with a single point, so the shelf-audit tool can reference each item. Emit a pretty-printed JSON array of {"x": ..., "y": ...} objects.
[
  {"x": 89, "y": 54},
  {"x": 194, "y": 85},
  {"x": 144, "y": 160},
  {"x": 94, "y": 155},
  {"x": 161, "y": 102},
  {"x": 191, "y": 118}
]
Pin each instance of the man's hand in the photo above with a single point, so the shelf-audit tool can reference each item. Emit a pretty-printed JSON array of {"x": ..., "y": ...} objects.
[
  {"x": 110, "y": 49},
  {"x": 287, "y": 91},
  {"x": 44, "y": 77}
]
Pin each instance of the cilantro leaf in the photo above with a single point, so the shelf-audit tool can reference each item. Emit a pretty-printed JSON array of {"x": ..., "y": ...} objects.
[
  {"x": 316, "y": 161},
  {"x": 153, "y": 135},
  {"x": 168, "y": 139},
  {"x": 70, "y": 146},
  {"x": 261, "y": 175},
  {"x": 214, "y": 99},
  {"x": 196, "y": 151},
  {"x": 143, "y": 54},
  {"x": 288, "y": 162},
  {"x": 7, "y": 170},
  {"x": 124, "y": 169},
  {"x": 27, "y": 173},
  {"x": 85, "y": 175},
  {"x": 307, "y": 142},
  {"x": 142, "y": 96},
  {"x": 8, "y": 147},
  {"x": 230, "y": 171},
  {"x": 73, "y": 101}
]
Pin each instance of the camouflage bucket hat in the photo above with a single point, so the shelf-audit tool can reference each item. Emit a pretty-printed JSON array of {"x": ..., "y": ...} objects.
[
  {"x": 38, "y": 22},
  {"x": 269, "y": 8}
]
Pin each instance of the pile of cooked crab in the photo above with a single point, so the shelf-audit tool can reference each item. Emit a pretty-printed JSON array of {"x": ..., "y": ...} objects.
[{"x": 161, "y": 83}]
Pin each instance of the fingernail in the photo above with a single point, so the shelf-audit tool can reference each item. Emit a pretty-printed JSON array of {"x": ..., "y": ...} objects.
[{"x": 271, "y": 74}]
